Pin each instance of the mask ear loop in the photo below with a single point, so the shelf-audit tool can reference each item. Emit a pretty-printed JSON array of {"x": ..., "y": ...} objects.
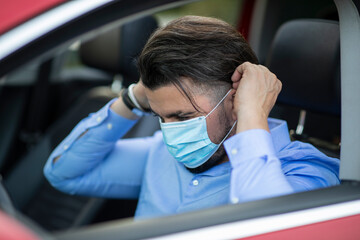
[
  {"x": 228, "y": 133},
  {"x": 218, "y": 103}
]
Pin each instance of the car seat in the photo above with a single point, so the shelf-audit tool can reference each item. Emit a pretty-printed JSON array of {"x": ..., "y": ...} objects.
[
  {"x": 305, "y": 56},
  {"x": 113, "y": 52}
]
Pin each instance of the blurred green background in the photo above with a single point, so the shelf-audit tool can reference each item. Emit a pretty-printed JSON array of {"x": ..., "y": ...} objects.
[{"x": 227, "y": 10}]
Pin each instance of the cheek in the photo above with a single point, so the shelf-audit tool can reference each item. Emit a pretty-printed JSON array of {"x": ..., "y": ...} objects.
[{"x": 214, "y": 130}]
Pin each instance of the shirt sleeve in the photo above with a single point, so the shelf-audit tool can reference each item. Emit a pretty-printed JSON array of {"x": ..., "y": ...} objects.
[
  {"x": 92, "y": 160},
  {"x": 256, "y": 171}
]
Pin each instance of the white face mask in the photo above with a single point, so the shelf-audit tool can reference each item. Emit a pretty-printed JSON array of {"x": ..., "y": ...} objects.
[{"x": 188, "y": 141}]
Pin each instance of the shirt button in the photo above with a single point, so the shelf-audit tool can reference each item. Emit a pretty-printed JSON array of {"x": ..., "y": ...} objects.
[
  {"x": 195, "y": 182},
  {"x": 235, "y": 200},
  {"x": 66, "y": 147},
  {"x": 109, "y": 126},
  {"x": 98, "y": 119},
  {"x": 234, "y": 151}
]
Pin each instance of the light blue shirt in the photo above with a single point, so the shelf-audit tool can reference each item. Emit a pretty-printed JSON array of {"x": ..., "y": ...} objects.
[{"x": 261, "y": 165}]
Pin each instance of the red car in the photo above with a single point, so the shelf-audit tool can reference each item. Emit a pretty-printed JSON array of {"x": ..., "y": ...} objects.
[{"x": 60, "y": 60}]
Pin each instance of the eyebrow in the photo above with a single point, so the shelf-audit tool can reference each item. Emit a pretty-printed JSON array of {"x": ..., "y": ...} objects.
[
  {"x": 174, "y": 114},
  {"x": 179, "y": 114}
]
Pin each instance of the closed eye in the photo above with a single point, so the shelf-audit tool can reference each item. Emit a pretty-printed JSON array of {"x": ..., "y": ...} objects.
[
  {"x": 178, "y": 116},
  {"x": 181, "y": 118}
]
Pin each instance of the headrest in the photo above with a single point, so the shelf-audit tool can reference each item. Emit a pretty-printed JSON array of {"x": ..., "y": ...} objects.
[
  {"x": 116, "y": 51},
  {"x": 305, "y": 56}
]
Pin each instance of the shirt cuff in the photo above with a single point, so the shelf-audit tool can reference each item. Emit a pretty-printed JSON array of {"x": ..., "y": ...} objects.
[
  {"x": 248, "y": 145},
  {"x": 108, "y": 125}
]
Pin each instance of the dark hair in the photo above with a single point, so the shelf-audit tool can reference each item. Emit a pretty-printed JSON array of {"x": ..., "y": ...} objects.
[{"x": 205, "y": 50}]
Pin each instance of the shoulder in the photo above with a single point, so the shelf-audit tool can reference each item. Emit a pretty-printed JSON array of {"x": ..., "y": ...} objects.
[
  {"x": 297, "y": 150},
  {"x": 299, "y": 158}
]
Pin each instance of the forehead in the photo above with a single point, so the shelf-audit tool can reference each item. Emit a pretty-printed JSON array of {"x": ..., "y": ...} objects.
[{"x": 168, "y": 99}]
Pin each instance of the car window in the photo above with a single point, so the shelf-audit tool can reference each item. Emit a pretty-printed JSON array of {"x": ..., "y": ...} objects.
[{"x": 70, "y": 80}]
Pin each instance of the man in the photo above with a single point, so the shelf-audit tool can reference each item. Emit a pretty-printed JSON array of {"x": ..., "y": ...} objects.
[{"x": 217, "y": 145}]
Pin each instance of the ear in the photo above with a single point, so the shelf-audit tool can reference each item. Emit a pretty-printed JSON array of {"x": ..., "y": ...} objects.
[{"x": 229, "y": 104}]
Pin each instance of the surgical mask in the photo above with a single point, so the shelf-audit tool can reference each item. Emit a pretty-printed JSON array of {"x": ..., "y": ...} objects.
[{"x": 188, "y": 141}]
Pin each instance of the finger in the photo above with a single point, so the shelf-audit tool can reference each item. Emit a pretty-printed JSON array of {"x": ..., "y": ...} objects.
[
  {"x": 240, "y": 70},
  {"x": 236, "y": 75},
  {"x": 262, "y": 72},
  {"x": 233, "y": 92},
  {"x": 272, "y": 78},
  {"x": 266, "y": 72},
  {"x": 279, "y": 86},
  {"x": 235, "y": 85},
  {"x": 263, "y": 68}
]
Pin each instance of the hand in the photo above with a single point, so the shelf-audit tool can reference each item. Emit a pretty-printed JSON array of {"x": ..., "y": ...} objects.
[
  {"x": 120, "y": 108},
  {"x": 256, "y": 93},
  {"x": 139, "y": 92}
]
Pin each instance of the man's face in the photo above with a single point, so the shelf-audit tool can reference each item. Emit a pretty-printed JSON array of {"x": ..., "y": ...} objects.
[{"x": 171, "y": 105}]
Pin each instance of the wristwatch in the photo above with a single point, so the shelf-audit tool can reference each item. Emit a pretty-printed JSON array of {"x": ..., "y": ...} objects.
[{"x": 131, "y": 103}]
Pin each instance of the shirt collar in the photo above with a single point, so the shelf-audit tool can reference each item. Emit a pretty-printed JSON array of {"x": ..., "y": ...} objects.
[{"x": 217, "y": 170}]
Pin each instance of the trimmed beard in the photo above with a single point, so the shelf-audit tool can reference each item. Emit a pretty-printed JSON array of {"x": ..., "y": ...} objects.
[
  {"x": 219, "y": 155},
  {"x": 214, "y": 160}
]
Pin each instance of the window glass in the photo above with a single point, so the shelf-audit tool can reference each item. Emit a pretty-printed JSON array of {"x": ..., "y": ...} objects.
[{"x": 226, "y": 10}]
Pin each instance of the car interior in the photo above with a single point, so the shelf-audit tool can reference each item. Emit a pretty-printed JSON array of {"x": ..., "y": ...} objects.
[
  {"x": 42, "y": 101},
  {"x": 311, "y": 80},
  {"x": 114, "y": 54}
]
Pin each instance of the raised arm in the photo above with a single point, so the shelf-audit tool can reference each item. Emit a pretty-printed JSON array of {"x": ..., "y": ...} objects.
[
  {"x": 93, "y": 161},
  {"x": 259, "y": 169}
]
